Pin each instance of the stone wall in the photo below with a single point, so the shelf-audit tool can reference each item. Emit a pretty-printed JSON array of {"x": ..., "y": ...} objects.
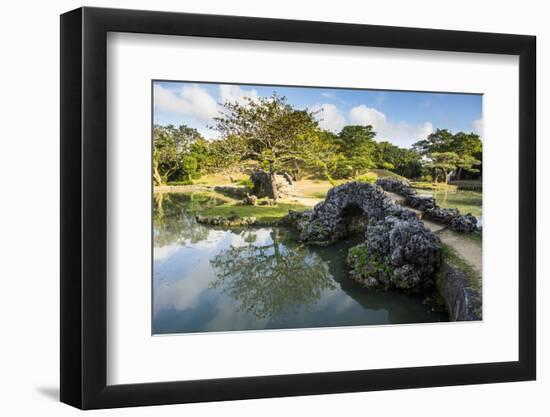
[
  {"x": 428, "y": 206},
  {"x": 462, "y": 298},
  {"x": 398, "y": 251}
]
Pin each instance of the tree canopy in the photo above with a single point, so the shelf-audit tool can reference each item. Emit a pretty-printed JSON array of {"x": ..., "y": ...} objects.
[{"x": 271, "y": 134}]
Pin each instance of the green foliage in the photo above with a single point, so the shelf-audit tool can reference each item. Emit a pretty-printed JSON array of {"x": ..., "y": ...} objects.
[
  {"x": 263, "y": 213},
  {"x": 270, "y": 133},
  {"x": 246, "y": 183},
  {"x": 178, "y": 153},
  {"x": 450, "y": 256},
  {"x": 357, "y": 145},
  {"x": 425, "y": 185},
  {"x": 405, "y": 162},
  {"x": 273, "y": 133},
  {"x": 444, "y": 162},
  {"x": 442, "y": 143},
  {"x": 369, "y": 177},
  {"x": 186, "y": 182}
]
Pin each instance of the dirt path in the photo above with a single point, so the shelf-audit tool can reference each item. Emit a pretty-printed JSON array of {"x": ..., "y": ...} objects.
[
  {"x": 468, "y": 249},
  {"x": 305, "y": 201}
]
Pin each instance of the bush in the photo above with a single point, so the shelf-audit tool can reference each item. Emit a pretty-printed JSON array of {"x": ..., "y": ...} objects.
[
  {"x": 342, "y": 169},
  {"x": 427, "y": 178},
  {"x": 369, "y": 177}
]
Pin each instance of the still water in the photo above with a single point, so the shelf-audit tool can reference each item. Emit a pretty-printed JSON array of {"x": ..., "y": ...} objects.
[
  {"x": 465, "y": 201},
  {"x": 207, "y": 279}
]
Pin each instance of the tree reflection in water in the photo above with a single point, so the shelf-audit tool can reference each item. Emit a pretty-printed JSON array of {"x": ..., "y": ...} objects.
[
  {"x": 173, "y": 220},
  {"x": 271, "y": 279}
]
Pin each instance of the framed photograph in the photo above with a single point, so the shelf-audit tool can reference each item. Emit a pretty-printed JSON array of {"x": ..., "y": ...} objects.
[{"x": 256, "y": 208}]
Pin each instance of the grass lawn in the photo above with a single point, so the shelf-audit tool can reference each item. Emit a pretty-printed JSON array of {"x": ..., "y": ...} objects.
[
  {"x": 318, "y": 188},
  {"x": 220, "y": 179},
  {"x": 384, "y": 173},
  {"x": 266, "y": 214},
  {"x": 422, "y": 185}
]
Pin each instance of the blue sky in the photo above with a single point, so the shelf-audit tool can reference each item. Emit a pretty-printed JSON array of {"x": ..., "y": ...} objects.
[{"x": 397, "y": 116}]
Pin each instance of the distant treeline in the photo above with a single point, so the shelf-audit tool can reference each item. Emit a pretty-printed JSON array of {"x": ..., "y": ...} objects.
[{"x": 273, "y": 135}]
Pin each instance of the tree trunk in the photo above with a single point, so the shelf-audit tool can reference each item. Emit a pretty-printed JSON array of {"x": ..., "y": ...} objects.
[
  {"x": 156, "y": 175},
  {"x": 273, "y": 186},
  {"x": 458, "y": 173}
]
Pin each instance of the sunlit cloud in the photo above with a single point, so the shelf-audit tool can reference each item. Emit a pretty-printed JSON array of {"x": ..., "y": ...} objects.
[
  {"x": 400, "y": 133},
  {"x": 477, "y": 126},
  {"x": 235, "y": 94},
  {"x": 329, "y": 117},
  {"x": 190, "y": 100}
]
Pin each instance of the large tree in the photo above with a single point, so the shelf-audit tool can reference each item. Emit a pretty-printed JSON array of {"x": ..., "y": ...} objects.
[
  {"x": 444, "y": 162},
  {"x": 405, "y": 162},
  {"x": 357, "y": 145},
  {"x": 178, "y": 152},
  {"x": 466, "y": 146},
  {"x": 268, "y": 130},
  {"x": 275, "y": 134}
]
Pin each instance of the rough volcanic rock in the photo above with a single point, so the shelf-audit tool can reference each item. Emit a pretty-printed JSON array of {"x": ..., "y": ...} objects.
[
  {"x": 461, "y": 297},
  {"x": 250, "y": 200},
  {"x": 233, "y": 221},
  {"x": 397, "y": 186},
  {"x": 271, "y": 185},
  {"x": 421, "y": 202},
  {"x": 397, "y": 253},
  {"x": 452, "y": 217},
  {"x": 427, "y": 204},
  {"x": 466, "y": 223},
  {"x": 232, "y": 191},
  {"x": 345, "y": 209}
]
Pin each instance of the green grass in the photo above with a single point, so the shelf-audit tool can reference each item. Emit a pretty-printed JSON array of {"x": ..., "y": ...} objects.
[
  {"x": 220, "y": 179},
  {"x": 316, "y": 194},
  {"x": 453, "y": 258},
  {"x": 465, "y": 201},
  {"x": 267, "y": 214},
  {"x": 470, "y": 185},
  {"x": 187, "y": 182},
  {"x": 440, "y": 186},
  {"x": 384, "y": 173}
]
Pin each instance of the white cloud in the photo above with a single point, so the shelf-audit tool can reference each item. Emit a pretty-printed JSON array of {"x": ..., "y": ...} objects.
[
  {"x": 477, "y": 126},
  {"x": 234, "y": 93},
  {"x": 330, "y": 117},
  {"x": 190, "y": 100},
  {"x": 400, "y": 133}
]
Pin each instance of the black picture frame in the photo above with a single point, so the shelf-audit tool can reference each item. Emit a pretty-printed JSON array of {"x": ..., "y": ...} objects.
[{"x": 84, "y": 207}]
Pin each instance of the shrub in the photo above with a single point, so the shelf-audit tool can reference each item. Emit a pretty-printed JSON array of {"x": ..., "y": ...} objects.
[{"x": 369, "y": 177}]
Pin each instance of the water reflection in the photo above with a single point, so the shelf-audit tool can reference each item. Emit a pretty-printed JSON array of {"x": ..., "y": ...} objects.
[
  {"x": 269, "y": 279},
  {"x": 464, "y": 200},
  {"x": 214, "y": 279}
]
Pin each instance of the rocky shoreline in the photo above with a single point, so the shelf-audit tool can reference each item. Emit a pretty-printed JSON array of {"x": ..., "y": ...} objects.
[{"x": 398, "y": 253}]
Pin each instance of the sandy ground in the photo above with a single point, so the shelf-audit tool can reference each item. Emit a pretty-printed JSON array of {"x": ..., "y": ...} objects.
[{"x": 468, "y": 249}]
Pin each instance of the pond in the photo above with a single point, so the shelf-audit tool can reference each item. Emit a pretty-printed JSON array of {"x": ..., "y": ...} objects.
[
  {"x": 210, "y": 279},
  {"x": 465, "y": 201}
]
